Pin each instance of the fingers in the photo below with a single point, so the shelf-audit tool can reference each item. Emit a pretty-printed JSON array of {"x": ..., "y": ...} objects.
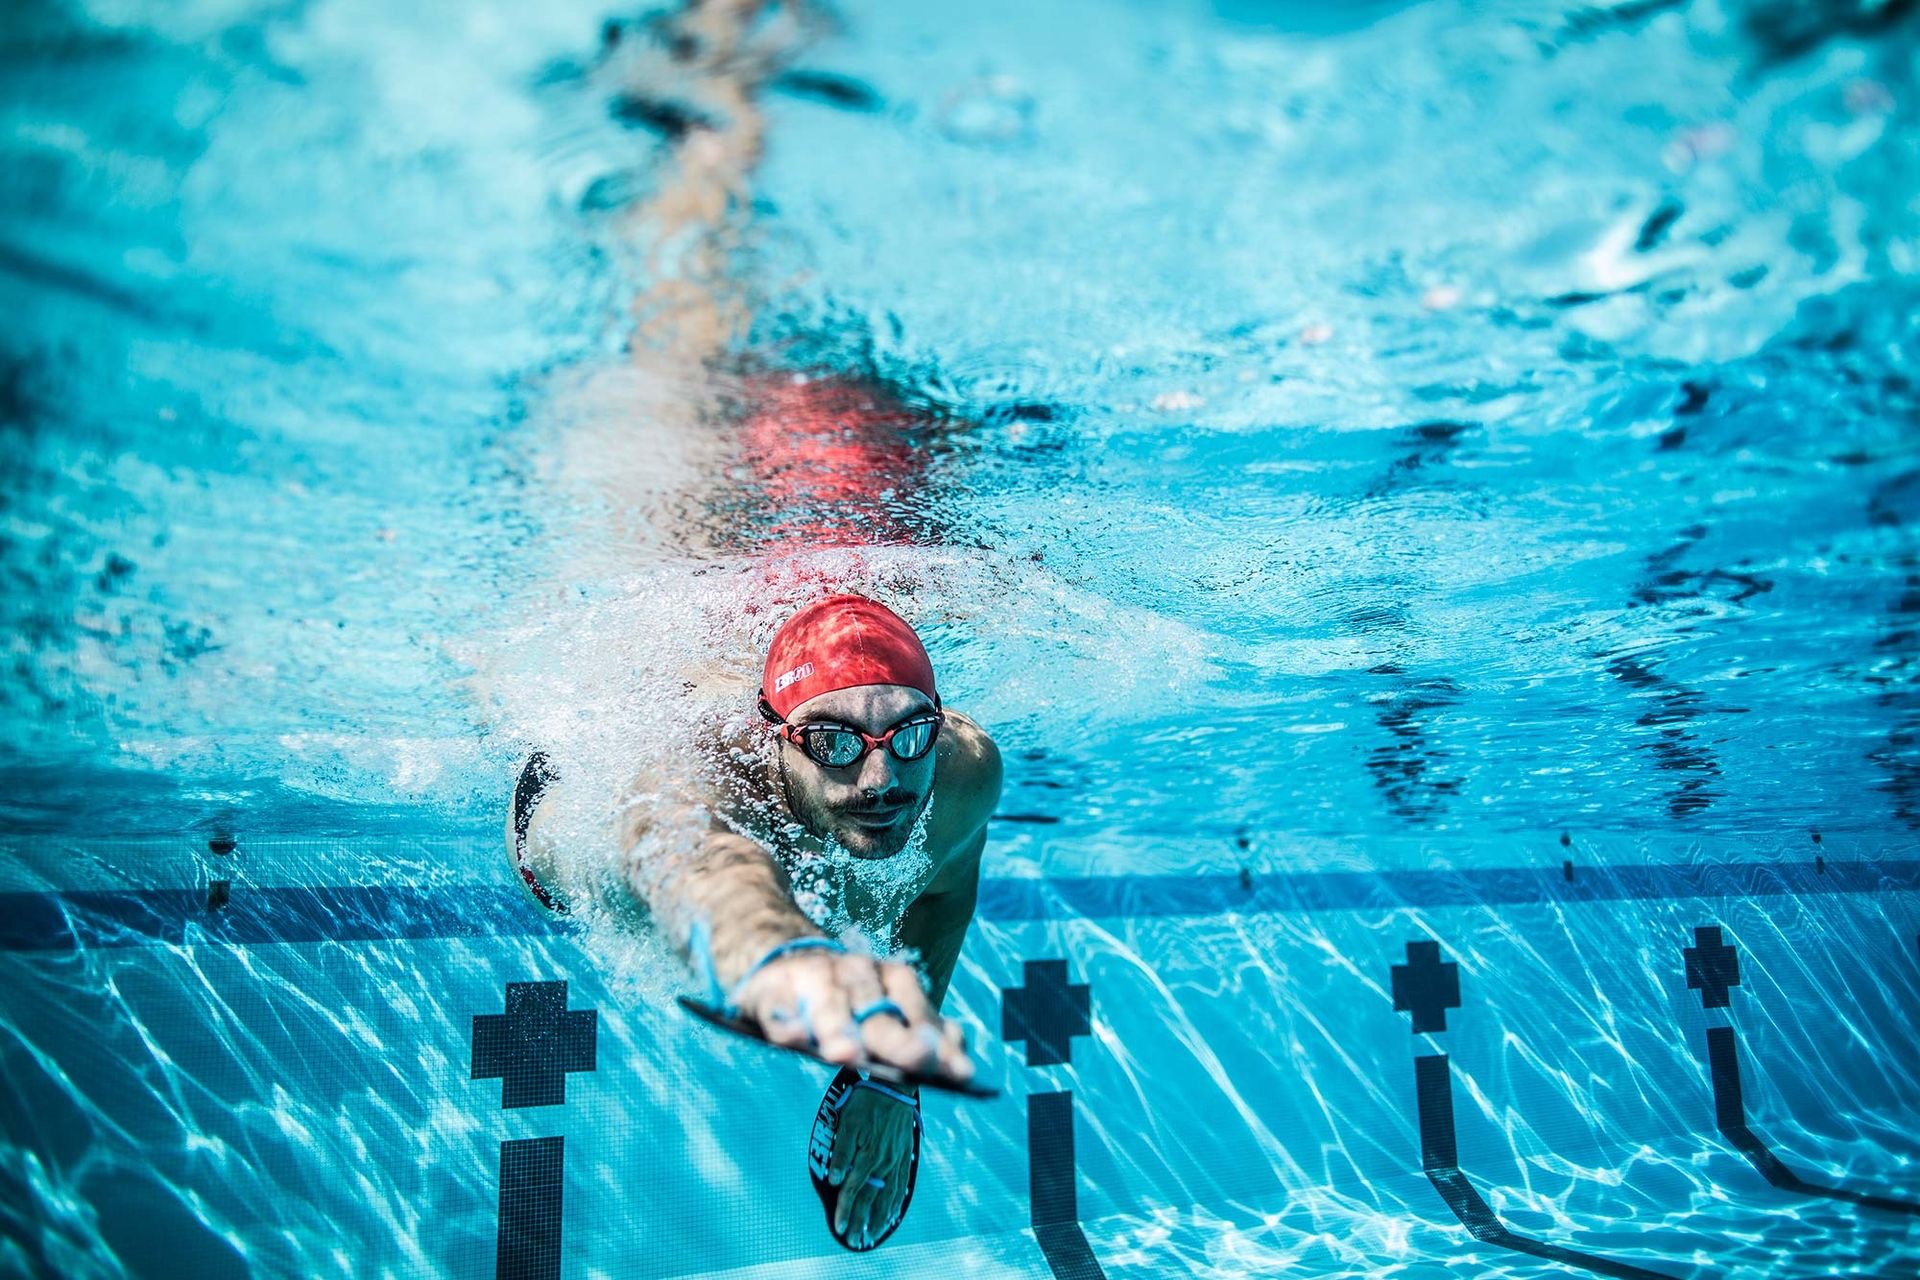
[
  {"x": 783, "y": 1002},
  {"x": 856, "y": 985},
  {"x": 868, "y": 1208},
  {"x": 886, "y": 1200},
  {"x": 810, "y": 1002},
  {"x": 868, "y": 1158},
  {"x": 847, "y": 1169},
  {"x": 865, "y": 1214},
  {"x": 875, "y": 1141},
  {"x": 801, "y": 1001},
  {"x": 953, "y": 1051},
  {"x": 926, "y": 1042},
  {"x": 948, "y": 1038},
  {"x": 913, "y": 1043},
  {"x": 904, "y": 989},
  {"x": 788, "y": 1024}
]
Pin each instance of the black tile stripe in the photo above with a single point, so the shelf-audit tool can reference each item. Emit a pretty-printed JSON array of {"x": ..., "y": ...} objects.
[
  {"x": 1050, "y": 1176},
  {"x": 1730, "y": 1116},
  {"x": 67, "y": 920},
  {"x": 1068, "y": 1255},
  {"x": 1433, "y": 1091},
  {"x": 1055, "y": 1196},
  {"x": 251, "y": 916},
  {"x": 528, "y": 1246}
]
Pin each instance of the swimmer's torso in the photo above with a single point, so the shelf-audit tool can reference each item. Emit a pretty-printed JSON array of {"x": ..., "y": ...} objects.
[{"x": 870, "y": 895}]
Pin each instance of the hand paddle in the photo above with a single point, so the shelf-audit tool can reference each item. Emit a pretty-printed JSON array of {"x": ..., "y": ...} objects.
[{"x": 740, "y": 1024}]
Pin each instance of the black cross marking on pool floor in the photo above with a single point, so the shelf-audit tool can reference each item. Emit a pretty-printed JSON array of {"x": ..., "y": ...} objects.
[
  {"x": 1427, "y": 987},
  {"x": 1713, "y": 968},
  {"x": 530, "y": 1049},
  {"x": 533, "y": 1045},
  {"x": 1047, "y": 1013}
]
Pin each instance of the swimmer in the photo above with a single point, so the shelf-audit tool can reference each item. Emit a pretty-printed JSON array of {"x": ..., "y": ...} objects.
[
  {"x": 857, "y": 756},
  {"x": 849, "y": 764}
]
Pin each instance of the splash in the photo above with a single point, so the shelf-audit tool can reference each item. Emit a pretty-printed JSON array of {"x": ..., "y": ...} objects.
[
  {"x": 824, "y": 887},
  {"x": 641, "y": 690}
]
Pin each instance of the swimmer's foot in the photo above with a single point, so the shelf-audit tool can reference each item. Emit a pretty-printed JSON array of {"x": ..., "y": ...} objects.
[
  {"x": 670, "y": 118},
  {"x": 826, "y": 1130}
]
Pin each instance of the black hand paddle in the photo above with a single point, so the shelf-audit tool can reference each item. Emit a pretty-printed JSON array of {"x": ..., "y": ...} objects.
[{"x": 739, "y": 1024}]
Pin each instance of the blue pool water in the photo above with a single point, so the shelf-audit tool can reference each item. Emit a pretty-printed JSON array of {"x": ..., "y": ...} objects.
[{"x": 1385, "y": 474}]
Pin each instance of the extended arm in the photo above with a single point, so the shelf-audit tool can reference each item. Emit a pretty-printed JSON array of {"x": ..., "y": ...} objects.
[
  {"x": 735, "y": 894},
  {"x": 730, "y": 889}
]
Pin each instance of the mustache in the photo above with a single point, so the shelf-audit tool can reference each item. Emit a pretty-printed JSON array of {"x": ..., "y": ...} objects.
[{"x": 891, "y": 800}]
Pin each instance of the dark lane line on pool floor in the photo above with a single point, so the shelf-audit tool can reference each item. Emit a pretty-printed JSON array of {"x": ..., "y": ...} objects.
[
  {"x": 243, "y": 915},
  {"x": 1713, "y": 969},
  {"x": 1046, "y": 1012},
  {"x": 531, "y": 1049},
  {"x": 1426, "y": 987}
]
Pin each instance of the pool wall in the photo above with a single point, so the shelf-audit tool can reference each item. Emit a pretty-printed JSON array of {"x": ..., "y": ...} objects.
[{"x": 1242, "y": 1092}]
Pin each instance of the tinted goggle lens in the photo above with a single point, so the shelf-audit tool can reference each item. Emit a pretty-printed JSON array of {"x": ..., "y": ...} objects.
[
  {"x": 912, "y": 741},
  {"x": 839, "y": 747},
  {"x": 832, "y": 746}
]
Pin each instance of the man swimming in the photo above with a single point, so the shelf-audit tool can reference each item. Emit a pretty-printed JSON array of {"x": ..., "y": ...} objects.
[
  {"x": 855, "y": 754},
  {"x": 857, "y": 804}
]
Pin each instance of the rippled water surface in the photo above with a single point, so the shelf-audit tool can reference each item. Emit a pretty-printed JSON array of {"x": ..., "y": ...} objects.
[{"x": 1367, "y": 438}]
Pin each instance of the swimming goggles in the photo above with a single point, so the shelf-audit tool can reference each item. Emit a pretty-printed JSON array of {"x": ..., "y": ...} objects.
[{"x": 837, "y": 746}]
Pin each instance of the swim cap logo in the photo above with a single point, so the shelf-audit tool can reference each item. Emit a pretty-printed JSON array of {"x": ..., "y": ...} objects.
[{"x": 800, "y": 672}]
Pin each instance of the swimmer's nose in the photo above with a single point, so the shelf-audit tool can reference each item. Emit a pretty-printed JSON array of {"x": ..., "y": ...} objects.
[{"x": 876, "y": 771}]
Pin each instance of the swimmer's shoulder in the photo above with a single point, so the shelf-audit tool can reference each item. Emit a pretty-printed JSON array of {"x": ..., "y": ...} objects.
[
  {"x": 736, "y": 782},
  {"x": 973, "y": 759},
  {"x": 969, "y": 783}
]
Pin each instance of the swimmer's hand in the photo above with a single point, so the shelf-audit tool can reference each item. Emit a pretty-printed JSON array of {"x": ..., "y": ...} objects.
[
  {"x": 875, "y": 1142},
  {"x": 807, "y": 1000}
]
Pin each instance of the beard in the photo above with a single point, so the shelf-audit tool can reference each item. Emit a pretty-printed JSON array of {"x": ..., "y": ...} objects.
[
  {"x": 866, "y": 842},
  {"x": 839, "y": 830}
]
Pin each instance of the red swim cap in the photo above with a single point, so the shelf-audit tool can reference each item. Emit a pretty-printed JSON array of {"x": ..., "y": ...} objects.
[{"x": 840, "y": 642}]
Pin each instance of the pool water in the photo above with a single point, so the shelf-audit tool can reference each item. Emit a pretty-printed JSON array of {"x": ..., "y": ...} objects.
[{"x": 1406, "y": 486}]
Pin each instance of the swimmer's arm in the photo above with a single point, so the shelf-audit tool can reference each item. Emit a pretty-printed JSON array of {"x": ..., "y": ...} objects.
[
  {"x": 936, "y": 924},
  {"x": 739, "y": 890}
]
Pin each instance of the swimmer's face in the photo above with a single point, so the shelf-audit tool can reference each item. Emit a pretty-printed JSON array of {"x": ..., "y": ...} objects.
[{"x": 831, "y": 802}]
